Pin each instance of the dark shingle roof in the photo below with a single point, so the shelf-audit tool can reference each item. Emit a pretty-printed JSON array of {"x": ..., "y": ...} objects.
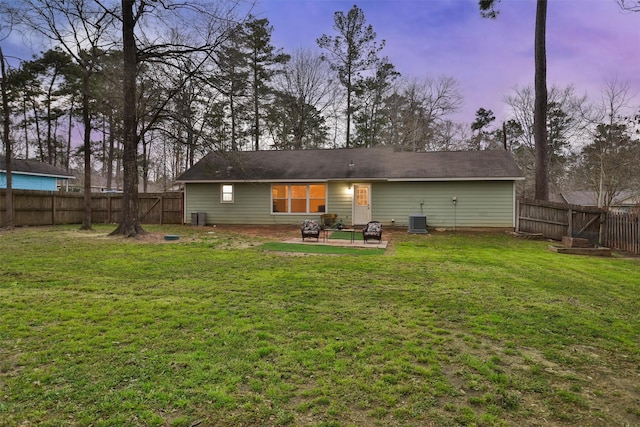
[
  {"x": 590, "y": 198},
  {"x": 33, "y": 167},
  {"x": 368, "y": 164}
]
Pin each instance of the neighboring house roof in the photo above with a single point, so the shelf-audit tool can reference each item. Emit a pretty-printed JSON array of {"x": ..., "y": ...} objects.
[
  {"x": 627, "y": 198},
  {"x": 352, "y": 164},
  {"x": 33, "y": 167},
  {"x": 590, "y": 198},
  {"x": 582, "y": 198}
]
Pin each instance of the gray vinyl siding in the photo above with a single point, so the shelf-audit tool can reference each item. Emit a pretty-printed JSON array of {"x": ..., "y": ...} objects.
[
  {"x": 340, "y": 201},
  {"x": 479, "y": 203},
  {"x": 252, "y": 204}
]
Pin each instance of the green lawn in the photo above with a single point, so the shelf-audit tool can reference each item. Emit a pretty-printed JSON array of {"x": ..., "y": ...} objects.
[{"x": 223, "y": 329}]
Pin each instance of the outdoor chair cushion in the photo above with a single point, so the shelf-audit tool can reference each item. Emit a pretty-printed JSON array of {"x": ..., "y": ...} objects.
[
  {"x": 373, "y": 230},
  {"x": 310, "y": 228}
]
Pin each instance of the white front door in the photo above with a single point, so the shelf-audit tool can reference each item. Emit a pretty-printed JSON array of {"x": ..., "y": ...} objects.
[{"x": 361, "y": 204}]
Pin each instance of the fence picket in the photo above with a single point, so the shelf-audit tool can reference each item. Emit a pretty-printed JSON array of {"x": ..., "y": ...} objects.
[{"x": 624, "y": 232}]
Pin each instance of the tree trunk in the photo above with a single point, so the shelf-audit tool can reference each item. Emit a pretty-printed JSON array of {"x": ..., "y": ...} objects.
[
  {"x": 145, "y": 165},
  {"x": 86, "y": 218},
  {"x": 130, "y": 222},
  {"x": 36, "y": 121},
  {"x": 111, "y": 152},
  {"x": 26, "y": 130},
  {"x": 256, "y": 106},
  {"x": 51, "y": 142},
  {"x": 6, "y": 122},
  {"x": 70, "y": 128},
  {"x": 348, "y": 137},
  {"x": 103, "y": 154},
  {"x": 234, "y": 145},
  {"x": 540, "y": 104}
]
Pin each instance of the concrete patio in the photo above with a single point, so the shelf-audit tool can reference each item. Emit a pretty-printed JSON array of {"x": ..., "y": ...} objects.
[{"x": 371, "y": 244}]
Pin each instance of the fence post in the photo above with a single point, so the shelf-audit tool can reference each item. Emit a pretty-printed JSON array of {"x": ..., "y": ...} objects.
[
  {"x": 570, "y": 222},
  {"x": 53, "y": 209},
  {"x": 635, "y": 236},
  {"x": 517, "y": 216},
  {"x": 601, "y": 236}
]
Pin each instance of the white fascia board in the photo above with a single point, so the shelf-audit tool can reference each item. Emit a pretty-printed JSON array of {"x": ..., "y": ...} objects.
[
  {"x": 487, "y": 178},
  {"x": 39, "y": 174},
  {"x": 219, "y": 181},
  {"x": 286, "y": 180},
  {"x": 247, "y": 181},
  {"x": 357, "y": 179}
]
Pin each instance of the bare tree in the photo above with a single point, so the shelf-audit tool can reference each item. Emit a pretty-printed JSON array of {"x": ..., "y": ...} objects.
[
  {"x": 611, "y": 161},
  {"x": 304, "y": 93},
  {"x": 630, "y": 5},
  {"x": 210, "y": 26},
  {"x": 187, "y": 116},
  {"x": 416, "y": 109},
  {"x": 451, "y": 136},
  {"x": 79, "y": 28},
  {"x": 566, "y": 126}
]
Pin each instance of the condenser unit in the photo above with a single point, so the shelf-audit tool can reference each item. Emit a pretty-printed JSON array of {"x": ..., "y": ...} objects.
[{"x": 417, "y": 223}]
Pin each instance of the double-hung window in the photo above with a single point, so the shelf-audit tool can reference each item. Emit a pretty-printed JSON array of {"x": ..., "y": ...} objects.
[
  {"x": 298, "y": 198},
  {"x": 226, "y": 193}
]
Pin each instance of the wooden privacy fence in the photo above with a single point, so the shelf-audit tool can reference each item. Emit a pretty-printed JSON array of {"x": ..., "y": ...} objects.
[
  {"x": 53, "y": 208},
  {"x": 555, "y": 220},
  {"x": 623, "y": 232}
]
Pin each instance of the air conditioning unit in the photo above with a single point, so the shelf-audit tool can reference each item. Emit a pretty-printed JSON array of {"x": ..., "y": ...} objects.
[{"x": 417, "y": 223}]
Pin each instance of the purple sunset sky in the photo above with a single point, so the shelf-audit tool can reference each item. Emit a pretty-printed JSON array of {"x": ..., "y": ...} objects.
[{"x": 588, "y": 42}]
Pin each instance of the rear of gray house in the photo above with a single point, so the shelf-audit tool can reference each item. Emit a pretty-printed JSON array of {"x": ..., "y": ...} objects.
[{"x": 452, "y": 189}]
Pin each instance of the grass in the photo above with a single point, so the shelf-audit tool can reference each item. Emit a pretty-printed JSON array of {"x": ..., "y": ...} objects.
[{"x": 223, "y": 329}]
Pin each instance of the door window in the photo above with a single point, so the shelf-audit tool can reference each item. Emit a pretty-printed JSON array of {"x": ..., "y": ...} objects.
[{"x": 362, "y": 198}]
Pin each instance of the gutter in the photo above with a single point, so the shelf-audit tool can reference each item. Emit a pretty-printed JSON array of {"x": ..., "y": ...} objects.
[
  {"x": 40, "y": 174},
  {"x": 361, "y": 179}
]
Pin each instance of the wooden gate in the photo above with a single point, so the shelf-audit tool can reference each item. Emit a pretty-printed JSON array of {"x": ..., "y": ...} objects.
[
  {"x": 614, "y": 230},
  {"x": 555, "y": 220}
]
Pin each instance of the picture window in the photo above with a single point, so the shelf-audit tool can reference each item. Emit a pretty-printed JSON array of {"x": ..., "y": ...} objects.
[{"x": 298, "y": 198}]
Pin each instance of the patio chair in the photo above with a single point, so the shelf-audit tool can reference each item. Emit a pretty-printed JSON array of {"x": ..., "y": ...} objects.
[
  {"x": 310, "y": 228},
  {"x": 373, "y": 230}
]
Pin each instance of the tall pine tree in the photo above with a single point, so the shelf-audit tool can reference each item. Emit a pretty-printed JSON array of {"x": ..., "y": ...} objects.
[
  {"x": 352, "y": 51},
  {"x": 263, "y": 61}
]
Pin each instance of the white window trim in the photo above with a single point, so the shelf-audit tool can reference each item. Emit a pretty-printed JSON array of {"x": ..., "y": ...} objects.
[{"x": 223, "y": 193}]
